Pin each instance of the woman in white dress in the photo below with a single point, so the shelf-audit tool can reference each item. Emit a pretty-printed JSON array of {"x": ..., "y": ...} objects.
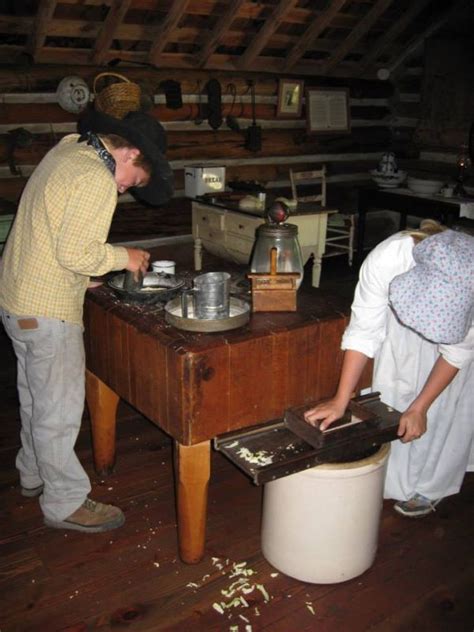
[{"x": 420, "y": 331}]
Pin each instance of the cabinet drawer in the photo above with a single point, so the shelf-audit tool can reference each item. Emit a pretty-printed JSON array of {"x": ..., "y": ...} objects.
[
  {"x": 207, "y": 233},
  {"x": 237, "y": 244},
  {"x": 243, "y": 226},
  {"x": 210, "y": 218}
]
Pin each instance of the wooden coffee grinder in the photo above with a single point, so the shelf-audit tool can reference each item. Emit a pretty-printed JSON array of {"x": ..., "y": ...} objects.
[
  {"x": 274, "y": 292},
  {"x": 276, "y": 246}
]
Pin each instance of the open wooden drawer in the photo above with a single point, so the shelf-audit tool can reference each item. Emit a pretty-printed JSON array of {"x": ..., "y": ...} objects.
[{"x": 289, "y": 445}]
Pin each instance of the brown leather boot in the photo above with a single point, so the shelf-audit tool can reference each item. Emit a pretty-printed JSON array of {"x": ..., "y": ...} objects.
[{"x": 91, "y": 517}]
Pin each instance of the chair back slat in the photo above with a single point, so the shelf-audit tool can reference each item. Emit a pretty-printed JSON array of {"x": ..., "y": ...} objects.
[
  {"x": 340, "y": 227},
  {"x": 316, "y": 177}
]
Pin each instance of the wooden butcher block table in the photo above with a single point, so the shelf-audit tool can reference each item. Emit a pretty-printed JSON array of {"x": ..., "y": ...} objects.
[{"x": 197, "y": 386}]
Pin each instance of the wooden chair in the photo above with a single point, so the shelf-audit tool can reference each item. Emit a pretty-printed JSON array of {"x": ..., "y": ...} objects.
[
  {"x": 315, "y": 178},
  {"x": 340, "y": 227}
]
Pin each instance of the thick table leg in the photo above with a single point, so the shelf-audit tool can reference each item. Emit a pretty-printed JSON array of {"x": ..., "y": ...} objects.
[
  {"x": 102, "y": 402},
  {"x": 192, "y": 470}
]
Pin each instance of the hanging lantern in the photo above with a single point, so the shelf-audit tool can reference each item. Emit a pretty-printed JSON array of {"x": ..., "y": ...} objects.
[{"x": 73, "y": 94}]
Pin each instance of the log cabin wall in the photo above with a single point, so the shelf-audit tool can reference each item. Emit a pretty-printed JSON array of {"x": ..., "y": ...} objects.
[
  {"x": 422, "y": 110},
  {"x": 29, "y": 104},
  {"x": 447, "y": 101}
]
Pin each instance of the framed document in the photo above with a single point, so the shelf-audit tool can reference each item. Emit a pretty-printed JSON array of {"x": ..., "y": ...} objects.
[
  {"x": 290, "y": 98},
  {"x": 327, "y": 110}
]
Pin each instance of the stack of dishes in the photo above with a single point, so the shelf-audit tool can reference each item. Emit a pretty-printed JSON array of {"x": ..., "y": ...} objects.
[{"x": 388, "y": 181}]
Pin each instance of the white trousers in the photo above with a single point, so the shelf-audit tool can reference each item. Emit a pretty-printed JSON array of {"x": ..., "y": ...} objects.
[{"x": 51, "y": 390}]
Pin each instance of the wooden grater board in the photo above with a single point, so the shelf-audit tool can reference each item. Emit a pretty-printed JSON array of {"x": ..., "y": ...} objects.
[
  {"x": 356, "y": 425},
  {"x": 287, "y": 451}
]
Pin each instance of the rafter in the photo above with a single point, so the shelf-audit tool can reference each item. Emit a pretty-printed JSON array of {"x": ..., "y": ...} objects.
[
  {"x": 454, "y": 12},
  {"x": 339, "y": 38},
  {"x": 384, "y": 42},
  {"x": 250, "y": 11},
  {"x": 38, "y": 36},
  {"x": 357, "y": 33},
  {"x": 218, "y": 62},
  {"x": 145, "y": 33},
  {"x": 265, "y": 33},
  {"x": 222, "y": 25},
  {"x": 165, "y": 29},
  {"x": 109, "y": 28},
  {"x": 316, "y": 28}
]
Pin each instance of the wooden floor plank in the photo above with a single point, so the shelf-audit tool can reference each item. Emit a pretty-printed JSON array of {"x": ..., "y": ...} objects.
[{"x": 132, "y": 578}]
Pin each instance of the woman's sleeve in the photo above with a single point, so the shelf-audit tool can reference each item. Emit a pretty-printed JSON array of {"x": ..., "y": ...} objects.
[
  {"x": 367, "y": 327},
  {"x": 462, "y": 354}
]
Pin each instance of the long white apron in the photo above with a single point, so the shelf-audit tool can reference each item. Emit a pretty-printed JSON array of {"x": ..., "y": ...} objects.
[{"x": 433, "y": 465}]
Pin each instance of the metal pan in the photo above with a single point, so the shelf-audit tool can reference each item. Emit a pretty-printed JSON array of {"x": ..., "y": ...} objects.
[
  {"x": 167, "y": 287},
  {"x": 238, "y": 316}
]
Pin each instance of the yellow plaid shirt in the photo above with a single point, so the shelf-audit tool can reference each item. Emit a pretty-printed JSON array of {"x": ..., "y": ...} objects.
[{"x": 58, "y": 239}]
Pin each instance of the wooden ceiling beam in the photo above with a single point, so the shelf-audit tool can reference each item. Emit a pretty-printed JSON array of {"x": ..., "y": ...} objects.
[
  {"x": 344, "y": 39},
  {"x": 250, "y": 10},
  {"x": 452, "y": 13},
  {"x": 16, "y": 25},
  {"x": 383, "y": 43},
  {"x": 56, "y": 55},
  {"x": 163, "y": 33},
  {"x": 222, "y": 25},
  {"x": 321, "y": 22},
  {"x": 109, "y": 28},
  {"x": 269, "y": 28},
  {"x": 37, "y": 37},
  {"x": 356, "y": 34},
  {"x": 145, "y": 33}
]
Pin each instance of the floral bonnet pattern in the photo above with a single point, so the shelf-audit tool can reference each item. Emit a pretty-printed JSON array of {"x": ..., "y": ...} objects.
[{"x": 436, "y": 297}]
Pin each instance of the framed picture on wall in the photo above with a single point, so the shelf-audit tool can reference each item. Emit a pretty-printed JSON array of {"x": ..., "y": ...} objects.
[
  {"x": 327, "y": 110},
  {"x": 290, "y": 98}
]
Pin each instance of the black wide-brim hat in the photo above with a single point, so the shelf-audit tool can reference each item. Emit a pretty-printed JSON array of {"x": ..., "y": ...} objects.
[{"x": 146, "y": 134}]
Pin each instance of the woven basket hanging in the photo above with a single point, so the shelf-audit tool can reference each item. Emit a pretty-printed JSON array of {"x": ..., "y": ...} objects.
[{"x": 118, "y": 98}]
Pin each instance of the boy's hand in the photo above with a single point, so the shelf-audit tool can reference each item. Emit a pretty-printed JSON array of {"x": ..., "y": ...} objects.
[{"x": 137, "y": 260}]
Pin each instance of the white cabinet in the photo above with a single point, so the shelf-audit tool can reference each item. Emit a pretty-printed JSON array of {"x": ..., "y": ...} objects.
[{"x": 230, "y": 234}]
